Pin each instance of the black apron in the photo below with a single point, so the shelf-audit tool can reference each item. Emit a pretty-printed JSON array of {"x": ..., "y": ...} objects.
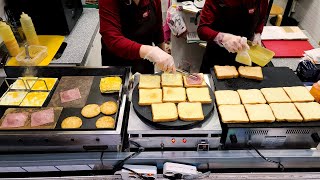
[
  {"x": 234, "y": 20},
  {"x": 143, "y": 34}
]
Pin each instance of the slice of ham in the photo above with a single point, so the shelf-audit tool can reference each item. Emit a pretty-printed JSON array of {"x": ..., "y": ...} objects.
[
  {"x": 14, "y": 120},
  {"x": 70, "y": 95},
  {"x": 42, "y": 117},
  {"x": 194, "y": 80}
]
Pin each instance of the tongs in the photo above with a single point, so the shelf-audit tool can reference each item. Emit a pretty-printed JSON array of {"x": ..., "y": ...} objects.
[{"x": 192, "y": 76}]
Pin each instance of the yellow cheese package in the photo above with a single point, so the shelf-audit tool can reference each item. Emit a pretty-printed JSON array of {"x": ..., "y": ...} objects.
[{"x": 110, "y": 84}]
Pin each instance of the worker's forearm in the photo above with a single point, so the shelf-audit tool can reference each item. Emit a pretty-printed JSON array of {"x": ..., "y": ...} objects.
[{"x": 144, "y": 50}]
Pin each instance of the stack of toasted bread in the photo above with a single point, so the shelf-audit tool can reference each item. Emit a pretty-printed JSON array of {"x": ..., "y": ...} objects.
[
  {"x": 165, "y": 91},
  {"x": 287, "y": 104}
]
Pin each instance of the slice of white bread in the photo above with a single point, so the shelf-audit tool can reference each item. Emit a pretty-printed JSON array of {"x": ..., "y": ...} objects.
[
  {"x": 310, "y": 111},
  {"x": 203, "y": 84},
  {"x": 190, "y": 111},
  {"x": 171, "y": 80},
  {"x": 286, "y": 112},
  {"x": 251, "y": 72},
  {"x": 259, "y": 113},
  {"x": 299, "y": 94},
  {"x": 251, "y": 96},
  {"x": 149, "y": 96},
  {"x": 174, "y": 94},
  {"x": 233, "y": 114},
  {"x": 164, "y": 112},
  {"x": 275, "y": 95},
  {"x": 226, "y": 72},
  {"x": 227, "y": 97},
  {"x": 201, "y": 95},
  {"x": 149, "y": 81}
]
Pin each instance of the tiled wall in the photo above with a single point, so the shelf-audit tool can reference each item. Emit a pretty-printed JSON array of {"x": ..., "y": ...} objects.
[{"x": 308, "y": 14}]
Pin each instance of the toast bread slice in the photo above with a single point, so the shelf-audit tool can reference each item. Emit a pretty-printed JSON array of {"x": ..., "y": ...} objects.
[
  {"x": 149, "y": 96},
  {"x": 299, "y": 94},
  {"x": 226, "y": 72},
  {"x": 164, "y": 112},
  {"x": 227, "y": 97},
  {"x": 233, "y": 114},
  {"x": 190, "y": 111},
  {"x": 203, "y": 84},
  {"x": 251, "y": 72},
  {"x": 286, "y": 112},
  {"x": 251, "y": 96},
  {"x": 174, "y": 94},
  {"x": 171, "y": 80},
  {"x": 275, "y": 95},
  {"x": 201, "y": 95},
  {"x": 259, "y": 113},
  {"x": 310, "y": 111},
  {"x": 149, "y": 82}
]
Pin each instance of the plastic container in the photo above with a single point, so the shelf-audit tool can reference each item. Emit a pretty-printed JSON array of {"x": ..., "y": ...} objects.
[
  {"x": 37, "y": 54},
  {"x": 260, "y": 55},
  {"x": 315, "y": 91},
  {"x": 9, "y": 39},
  {"x": 29, "y": 30}
]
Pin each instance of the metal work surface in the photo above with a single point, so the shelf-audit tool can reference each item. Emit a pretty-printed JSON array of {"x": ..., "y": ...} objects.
[{"x": 80, "y": 39}]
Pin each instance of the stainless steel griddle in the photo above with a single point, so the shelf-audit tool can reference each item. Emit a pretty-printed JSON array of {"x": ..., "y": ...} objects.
[{"x": 69, "y": 140}]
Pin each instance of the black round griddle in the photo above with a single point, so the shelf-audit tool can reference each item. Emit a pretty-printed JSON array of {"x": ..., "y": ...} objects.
[{"x": 145, "y": 114}]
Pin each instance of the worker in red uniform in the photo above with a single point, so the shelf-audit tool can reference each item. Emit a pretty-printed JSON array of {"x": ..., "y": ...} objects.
[
  {"x": 128, "y": 29},
  {"x": 226, "y": 25}
]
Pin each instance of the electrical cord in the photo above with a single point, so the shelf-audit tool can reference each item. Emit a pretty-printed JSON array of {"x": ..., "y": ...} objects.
[
  {"x": 119, "y": 165},
  {"x": 280, "y": 166}
]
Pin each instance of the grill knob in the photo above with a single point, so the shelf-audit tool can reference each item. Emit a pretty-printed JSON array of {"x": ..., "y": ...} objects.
[
  {"x": 315, "y": 137},
  {"x": 233, "y": 139}
]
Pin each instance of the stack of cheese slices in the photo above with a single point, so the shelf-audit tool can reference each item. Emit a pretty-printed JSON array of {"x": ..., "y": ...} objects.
[{"x": 172, "y": 98}]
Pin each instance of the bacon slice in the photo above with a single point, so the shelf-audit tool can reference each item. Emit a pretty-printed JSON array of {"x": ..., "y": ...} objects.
[
  {"x": 42, "y": 117},
  {"x": 70, "y": 95},
  {"x": 14, "y": 120}
]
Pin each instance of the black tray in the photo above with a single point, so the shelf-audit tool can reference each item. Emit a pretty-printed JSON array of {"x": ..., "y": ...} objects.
[
  {"x": 273, "y": 77},
  {"x": 145, "y": 114},
  {"x": 94, "y": 97}
]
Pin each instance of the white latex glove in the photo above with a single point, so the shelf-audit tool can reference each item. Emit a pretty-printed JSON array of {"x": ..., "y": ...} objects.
[
  {"x": 231, "y": 42},
  {"x": 161, "y": 59},
  {"x": 256, "y": 39},
  {"x": 243, "y": 55}
]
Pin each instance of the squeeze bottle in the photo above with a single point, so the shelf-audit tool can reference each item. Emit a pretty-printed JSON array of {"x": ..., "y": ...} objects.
[
  {"x": 9, "y": 39},
  {"x": 28, "y": 29}
]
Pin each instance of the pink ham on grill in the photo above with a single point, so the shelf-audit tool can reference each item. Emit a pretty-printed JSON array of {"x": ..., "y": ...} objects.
[
  {"x": 14, "y": 120},
  {"x": 42, "y": 117},
  {"x": 194, "y": 80},
  {"x": 70, "y": 95}
]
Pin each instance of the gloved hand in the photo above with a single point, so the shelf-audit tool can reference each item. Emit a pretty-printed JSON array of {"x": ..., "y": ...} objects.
[
  {"x": 231, "y": 42},
  {"x": 161, "y": 59},
  {"x": 256, "y": 39}
]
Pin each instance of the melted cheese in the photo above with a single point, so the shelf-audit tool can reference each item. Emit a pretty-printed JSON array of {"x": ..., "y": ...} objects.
[
  {"x": 13, "y": 98},
  {"x": 42, "y": 82},
  {"x": 35, "y": 99},
  {"x": 24, "y": 82},
  {"x": 110, "y": 84}
]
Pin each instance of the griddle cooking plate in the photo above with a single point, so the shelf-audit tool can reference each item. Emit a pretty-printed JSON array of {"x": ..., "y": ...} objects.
[
  {"x": 272, "y": 77},
  {"x": 145, "y": 114}
]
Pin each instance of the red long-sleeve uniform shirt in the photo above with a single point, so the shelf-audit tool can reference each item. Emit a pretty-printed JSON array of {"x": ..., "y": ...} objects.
[
  {"x": 111, "y": 28},
  {"x": 210, "y": 13}
]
